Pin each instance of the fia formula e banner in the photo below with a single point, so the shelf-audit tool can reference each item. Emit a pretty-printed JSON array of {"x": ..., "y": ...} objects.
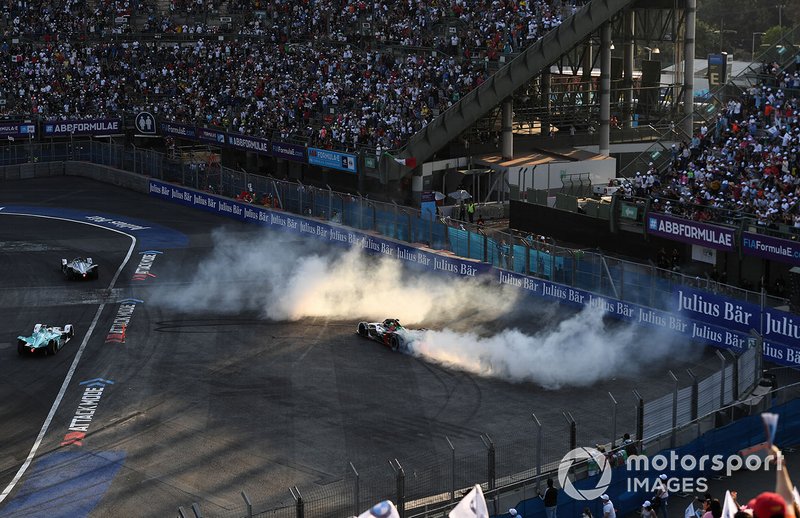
[
  {"x": 15, "y": 130},
  {"x": 696, "y": 315},
  {"x": 332, "y": 159},
  {"x": 771, "y": 248}
]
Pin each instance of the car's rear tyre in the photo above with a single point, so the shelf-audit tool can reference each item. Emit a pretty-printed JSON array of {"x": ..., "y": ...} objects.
[
  {"x": 52, "y": 348},
  {"x": 71, "y": 331},
  {"x": 394, "y": 343},
  {"x": 362, "y": 329}
]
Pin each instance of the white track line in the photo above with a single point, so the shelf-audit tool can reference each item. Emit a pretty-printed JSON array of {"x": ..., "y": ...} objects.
[{"x": 71, "y": 372}]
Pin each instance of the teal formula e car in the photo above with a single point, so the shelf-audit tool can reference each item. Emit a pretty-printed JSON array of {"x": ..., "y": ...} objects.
[{"x": 49, "y": 339}]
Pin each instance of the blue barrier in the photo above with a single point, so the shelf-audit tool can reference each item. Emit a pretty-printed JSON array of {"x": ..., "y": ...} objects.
[{"x": 700, "y": 316}]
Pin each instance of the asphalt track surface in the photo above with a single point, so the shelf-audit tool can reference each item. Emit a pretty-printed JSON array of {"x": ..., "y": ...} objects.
[{"x": 203, "y": 406}]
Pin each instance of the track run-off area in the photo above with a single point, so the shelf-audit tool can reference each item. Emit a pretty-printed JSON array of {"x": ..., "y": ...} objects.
[{"x": 152, "y": 405}]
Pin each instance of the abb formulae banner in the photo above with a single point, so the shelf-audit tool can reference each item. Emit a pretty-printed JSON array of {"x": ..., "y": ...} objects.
[
  {"x": 94, "y": 127},
  {"x": 692, "y": 232},
  {"x": 696, "y": 315}
]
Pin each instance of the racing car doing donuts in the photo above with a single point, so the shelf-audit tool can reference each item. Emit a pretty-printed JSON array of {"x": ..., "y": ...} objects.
[{"x": 389, "y": 333}]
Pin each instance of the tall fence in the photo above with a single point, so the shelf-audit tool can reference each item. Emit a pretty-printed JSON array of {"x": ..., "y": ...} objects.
[{"x": 527, "y": 254}]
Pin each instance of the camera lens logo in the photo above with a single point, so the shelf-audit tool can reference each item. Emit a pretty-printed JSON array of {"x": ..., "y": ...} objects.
[{"x": 579, "y": 456}]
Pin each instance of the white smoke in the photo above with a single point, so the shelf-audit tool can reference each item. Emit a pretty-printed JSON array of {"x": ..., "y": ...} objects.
[
  {"x": 580, "y": 351},
  {"x": 291, "y": 280}
]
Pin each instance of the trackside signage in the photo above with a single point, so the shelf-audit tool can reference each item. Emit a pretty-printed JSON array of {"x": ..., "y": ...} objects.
[
  {"x": 771, "y": 248},
  {"x": 82, "y": 127},
  {"x": 713, "y": 319},
  {"x": 122, "y": 319},
  {"x": 143, "y": 272},
  {"x": 692, "y": 232},
  {"x": 93, "y": 390}
]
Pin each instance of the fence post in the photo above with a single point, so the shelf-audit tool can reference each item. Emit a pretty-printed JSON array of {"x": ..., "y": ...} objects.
[
  {"x": 639, "y": 420},
  {"x": 573, "y": 430},
  {"x": 735, "y": 377},
  {"x": 196, "y": 510},
  {"x": 722, "y": 379},
  {"x": 613, "y": 421},
  {"x": 298, "y": 499},
  {"x": 356, "y": 497},
  {"x": 695, "y": 396},
  {"x": 182, "y": 512},
  {"x": 330, "y": 205},
  {"x": 491, "y": 467},
  {"x": 401, "y": 487},
  {"x": 538, "y": 461},
  {"x": 452, "y": 470},
  {"x": 673, "y": 434},
  {"x": 247, "y": 504}
]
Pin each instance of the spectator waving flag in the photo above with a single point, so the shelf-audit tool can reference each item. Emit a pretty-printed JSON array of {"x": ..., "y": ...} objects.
[
  {"x": 689, "y": 512},
  {"x": 384, "y": 509},
  {"x": 409, "y": 162},
  {"x": 473, "y": 505},
  {"x": 729, "y": 507},
  {"x": 770, "y": 426}
]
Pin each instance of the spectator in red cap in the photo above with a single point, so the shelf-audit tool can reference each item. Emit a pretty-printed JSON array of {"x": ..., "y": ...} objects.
[{"x": 768, "y": 505}]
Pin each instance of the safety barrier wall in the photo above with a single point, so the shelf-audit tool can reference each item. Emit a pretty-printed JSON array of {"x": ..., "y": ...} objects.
[{"x": 696, "y": 315}]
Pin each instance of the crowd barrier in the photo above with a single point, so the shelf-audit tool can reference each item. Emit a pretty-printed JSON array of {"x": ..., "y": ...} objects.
[{"x": 689, "y": 312}]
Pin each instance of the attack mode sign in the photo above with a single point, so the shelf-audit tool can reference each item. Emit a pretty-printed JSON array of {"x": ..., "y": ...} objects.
[{"x": 143, "y": 272}]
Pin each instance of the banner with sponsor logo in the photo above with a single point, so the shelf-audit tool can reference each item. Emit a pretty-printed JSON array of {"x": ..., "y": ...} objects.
[
  {"x": 257, "y": 145},
  {"x": 289, "y": 151},
  {"x": 771, "y": 248},
  {"x": 211, "y": 136},
  {"x": 94, "y": 127},
  {"x": 708, "y": 318},
  {"x": 170, "y": 129},
  {"x": 15, "y": 130},
  {"x": 692, "y": 232},
  {"x": 332, "y": 159}
]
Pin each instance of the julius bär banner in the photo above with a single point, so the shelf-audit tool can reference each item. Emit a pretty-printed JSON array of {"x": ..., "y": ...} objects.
[{"x": 692, "y": 232}]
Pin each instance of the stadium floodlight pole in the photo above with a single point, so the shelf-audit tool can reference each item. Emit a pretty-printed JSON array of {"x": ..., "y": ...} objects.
[{"x": 690, "y": 12}]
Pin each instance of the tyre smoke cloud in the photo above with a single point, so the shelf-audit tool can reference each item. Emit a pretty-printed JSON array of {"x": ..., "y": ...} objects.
[
  {"x": 290, "y": 280},
  {"x": 478, "y": 326},
  {"x": 579, "y": 351}
]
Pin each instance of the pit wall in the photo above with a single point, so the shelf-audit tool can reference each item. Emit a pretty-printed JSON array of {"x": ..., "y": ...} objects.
[{"x": 700, "y": 316}]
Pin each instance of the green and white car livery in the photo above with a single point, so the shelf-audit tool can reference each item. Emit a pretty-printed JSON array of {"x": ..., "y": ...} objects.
[{"x": 49, "y": 339}]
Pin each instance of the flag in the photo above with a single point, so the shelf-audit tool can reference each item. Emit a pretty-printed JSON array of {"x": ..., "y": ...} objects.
[
  {"x": 473, "y": 505},
  {"x": 410, "y": 162},
  {"x": 783, "y": 484},
  {"x": 384, "y": 509},
  {"x": 771, "y": 426},
  {"x": 729, "y": 507},
  {"x": 689, "y": 512}
]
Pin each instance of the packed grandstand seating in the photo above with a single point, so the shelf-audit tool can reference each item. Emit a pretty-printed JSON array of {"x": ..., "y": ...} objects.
[
  {"x": 311, "y": 72},
  {"x": 332, "y": 86},
  {"x": 746, "y": 164}
]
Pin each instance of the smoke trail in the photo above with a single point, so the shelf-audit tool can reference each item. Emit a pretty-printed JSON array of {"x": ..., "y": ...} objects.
[
  {"x": 579, "y": 352},
  {"x": 486, "y": 329},
  {"x": 289, "y": 280}
]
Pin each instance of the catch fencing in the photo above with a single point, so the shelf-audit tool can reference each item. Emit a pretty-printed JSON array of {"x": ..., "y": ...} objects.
[{"x": 522, "y": 253}]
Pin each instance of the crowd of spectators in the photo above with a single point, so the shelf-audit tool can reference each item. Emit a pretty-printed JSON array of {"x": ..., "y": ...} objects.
[
  {"x": 294, "y": 83},
  {"x": 746, "y": 163}
]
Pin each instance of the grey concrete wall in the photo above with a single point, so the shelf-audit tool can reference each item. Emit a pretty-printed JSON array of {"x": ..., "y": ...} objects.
[{"x": 100, "y": 173}]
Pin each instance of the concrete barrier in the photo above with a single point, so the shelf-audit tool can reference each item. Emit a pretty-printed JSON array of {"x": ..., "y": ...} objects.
[{"x": 101, "y": 173}]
